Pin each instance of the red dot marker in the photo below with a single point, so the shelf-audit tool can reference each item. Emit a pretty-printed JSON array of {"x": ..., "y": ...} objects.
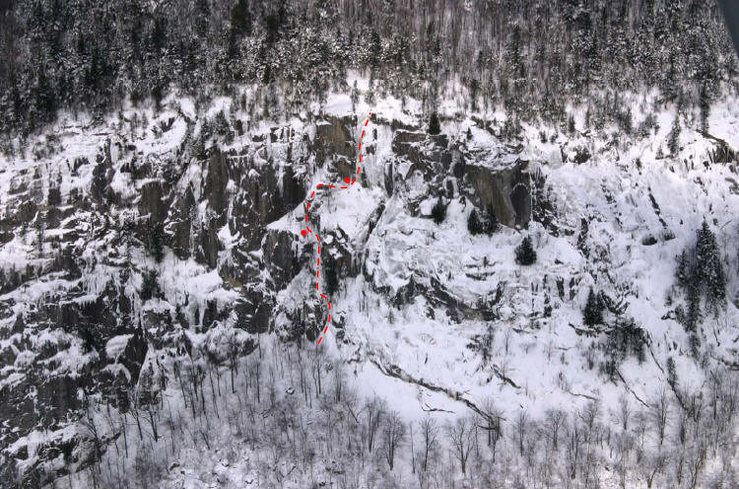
[
  {"x": 347, "y": 180},
  {"x": 303, "y": 232}
]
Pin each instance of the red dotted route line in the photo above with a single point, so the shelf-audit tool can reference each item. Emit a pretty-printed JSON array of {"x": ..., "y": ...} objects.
[{"x": 349, "y": 181}]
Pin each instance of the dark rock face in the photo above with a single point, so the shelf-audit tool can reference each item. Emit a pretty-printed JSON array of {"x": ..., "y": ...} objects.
[
  {"x": 345, "y": 168},
  {"x": 55, "y": 196},
  {"x": 507, "y": 191},
  {"x": 334, "y": 137},
  {"x": 216, "y": 182},
  {"x": 403, "y": 140},
  {"x": 180, "y": 224},
  {"x": 254, "y": 311},
  {"x": 521, "y": 201},
  {"x": 26, "y": 211},
  {"x": 280, "y": 258},
  {"x": 504, "y": 188},
  {"x": 428, "y": 155},
  {"x": 152, "y": 202},
  {"x": 134, "y": 354},
  {"x": 209, "y": 243},
  {"x": 338, "y": 250}
]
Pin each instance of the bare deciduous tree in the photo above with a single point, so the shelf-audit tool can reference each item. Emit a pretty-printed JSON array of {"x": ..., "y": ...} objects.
[
  {"x": 375, "y": 410},
  {"x": 461, "y": 436},
  {"x": 429, "y": 433},
  {"x": 522, "y": 421},
  {"x": 660, "y": 412},
  {"x": 393, "y": 434},
  {"x": 554, "y": 420},
  {"x": 491, "y": 417}
]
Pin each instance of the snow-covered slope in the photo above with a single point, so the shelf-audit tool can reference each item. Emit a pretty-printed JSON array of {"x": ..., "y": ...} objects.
[{"x": 153, "y": 259}]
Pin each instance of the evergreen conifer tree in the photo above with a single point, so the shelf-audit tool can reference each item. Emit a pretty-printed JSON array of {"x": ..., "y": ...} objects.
[
  {"x": 693, "y": 316},
  {"x": 332, "y": 275},
  {"x": 438, "y": 212},
  {"x": 684, "y": 270},
  {"x": 241, "y": 20},
  {"x": 704, "y": 105},
  {"x": 150, "y": 285},
  {"x": 674, "y": 139},
  {"x": 582, "y": 238},
  {"x": 709, "y": 269},
  {"x": 473, "y": 223},
  {"x": 434, "y": 125},
  {"x": 489, "y": 222},
  {"x": 593, "y": 313},
  {"x": 525, "y": 254}
]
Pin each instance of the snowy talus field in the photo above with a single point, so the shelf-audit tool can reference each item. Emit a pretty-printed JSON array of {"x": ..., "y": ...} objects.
[{"x": 158, "y": 315}]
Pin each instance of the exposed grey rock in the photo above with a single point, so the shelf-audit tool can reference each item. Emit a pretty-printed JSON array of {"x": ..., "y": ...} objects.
[
  {"x": 152, "y": 202},
  {"x": 216, "y": 182},
  {"x": 334, "y": 137},
  {"x": 280, "y": 258},
  {"x": 180, "y": 223},
  {"x": 506, "y": 190},
  {"x": 26, "y": 211},
  {"x": 403, "y": 140}
]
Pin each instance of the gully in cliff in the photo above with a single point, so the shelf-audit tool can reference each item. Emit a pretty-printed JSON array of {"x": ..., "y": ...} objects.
[{"x": 321, "y": 187}]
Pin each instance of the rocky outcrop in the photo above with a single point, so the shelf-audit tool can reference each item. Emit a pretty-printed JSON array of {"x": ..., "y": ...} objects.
[
  {"x": 334, "y": 137},
  {"x": 152, "y": 202},
  {"x": 179, "y": 226},
  {"x": 506, "y": 190},
  {"x": 280, "y": 258},
  {"x": 404, "y": 140},
  {"x": 216, "y": 182}
]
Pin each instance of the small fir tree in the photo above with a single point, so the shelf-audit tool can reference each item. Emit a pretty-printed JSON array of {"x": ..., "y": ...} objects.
[
  {"x": 473, "y": 223},
  {"x": 332, "y": 275},
  {"x": 434, "y": 124},
  {"x": 674, "y": 140},
  {"x": 489, "y": 222},
  {"x": 709, "y": 269},
  {"x": 438, "y": 212},
  {"x": 525, "y": 254},
  {"x": 593, "y": 313},
  {"x": 150, "y": 286}
]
